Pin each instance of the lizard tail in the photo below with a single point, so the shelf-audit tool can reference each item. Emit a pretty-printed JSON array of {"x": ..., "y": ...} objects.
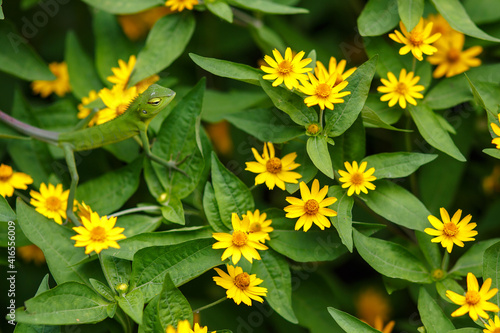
[{"x": 35, "y": 132}]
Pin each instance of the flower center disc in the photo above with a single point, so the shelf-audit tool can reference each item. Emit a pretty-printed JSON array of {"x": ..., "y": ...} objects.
[
  {"x": 311, "y": 207},
  {"x": 497, "y": 330},
  {"x": 357, "y": 178},
  {"x": 255, "y": 227},
  {"x": 239, "y": 238},
  {"x": 285, "y": 67},
  {"x": 313, "y": 129},
  {"x": 401, "y": 88},
  {"x": 242, "y": 281},
  {"x": 323, "y": 90},
  {"x": 53, "y": 203},
  {"x": 416, "y": 38},
  {"x": 273, "y": 165},
  {"x": 453, "y": 55},
  {"x": 450, "y": 229},
  {"x": 472, "y": 297},
  {"x": 98, "y": 234}
]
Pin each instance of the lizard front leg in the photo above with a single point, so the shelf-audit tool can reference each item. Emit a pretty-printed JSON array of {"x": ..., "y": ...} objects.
[{"x": 70, "y": 161}]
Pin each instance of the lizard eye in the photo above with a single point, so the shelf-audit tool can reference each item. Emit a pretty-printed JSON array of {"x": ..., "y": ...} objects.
[
  {"x": 144, "y": 111},
  {"x": 154, "y": 101}
]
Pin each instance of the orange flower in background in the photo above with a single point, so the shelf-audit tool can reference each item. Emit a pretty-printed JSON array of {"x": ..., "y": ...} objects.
[
  {"x": 60, "y": 86},
  {"x": 220, "y": 136},
  {"x": 136, "y": 26},
  {"x": 31, "y": 253},
  {"x": 372, "y": 305}
]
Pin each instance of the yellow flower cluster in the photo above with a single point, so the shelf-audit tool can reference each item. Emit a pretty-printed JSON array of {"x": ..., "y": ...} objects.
[
  {"x": 60, "y": 85},
  {"x": 183, "y": 326},
  {"x": 323, "y": 88}
]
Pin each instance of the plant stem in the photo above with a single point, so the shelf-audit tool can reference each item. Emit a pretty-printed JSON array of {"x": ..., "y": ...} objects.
[
  {"x": 444, "y": 262},
  {"x": 137, "y": 209},
  {"x": 22, "y": 196},
  {"x": 210, "y": 305},
  {"x": 321, "y": 118},
  {"x": 414, "y": 65}
]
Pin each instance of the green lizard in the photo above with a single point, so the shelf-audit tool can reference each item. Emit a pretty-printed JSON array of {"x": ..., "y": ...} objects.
[{"x": 134, "y": 121}]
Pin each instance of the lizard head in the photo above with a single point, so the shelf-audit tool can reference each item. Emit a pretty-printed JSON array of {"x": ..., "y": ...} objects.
[{"x": 153, "y": 100}]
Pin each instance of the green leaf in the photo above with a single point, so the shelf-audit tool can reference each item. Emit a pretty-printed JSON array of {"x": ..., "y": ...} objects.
[
  {"x": 482, "y": 11},
  {"x": 82, "y": 74},
  {"x": 492, "y": 108},
  {"x": 399, "y": 206},
  {"x": 266, "y": 39},
  {"x": 432, "y": 316},
  {"x": 228, "y": 69},
  {"x": 178, "y": 140},
  {"x": 378, "y": 17},
  {"x": 102, "y": 289},
  {"x": 117, "y": 271},
  {"x": 306, "y": 168},
  {"x": 350, "y": 323},
  {"x": 397, "y": 165},
  {"x": 391, "y": 259},
  {"x": 267, "y": 7},
  {"x": 491, "y": 267},
  {"x": 135, "y": 224},
  {"x": 232, "y": 195},
  {"x": 218, "y": 105},
  {"x": 129, "y": 246},
  {"x": 290, "y": 103},
  {"x": 166, "y": 42},
  {"x": 345, "y": 114},
  {"x": 466, "y": 330},
  {"x": 431, "y": 130},
  {"x": 183, "y": 262},
  {"x": 10, "y": 230},
  {"x": 275, "y": 272},
  {"x": 493, "y": 152},
  {"x": 212, "y": 210},
  {"x": 18, "y": 58},
  {"x": 457, "y": 17},
  {"x": 67, "y": 304},
  {"x": 2, "y": 16},
  {"x": 389, "y": 60},
  {"x": 410, "y": 12},
  {"x": 317, "y": 149},
  {"x": 172, "y": 305},
  {"x": 372, "y": 119},
  {"x": 449, "y": 284},
  {"x": 54, "y": 240},
  {"x": 350, "y": 146},
  {"x": 472, "y": 260},
  {"x": 343, "y": 221},
  {"x": 132, "y": 304},
  {"x": 221, "y": 9},
  {"x": 431, "y": 251},
  {"x": 107, "y": 193},
  {"x": 173, "y": 211},
  {"x": 124, "y": 6},
  {"x": 150, "y": 318},
  {"x": 267, "y": 125},
  {"x": 6, "y": 213}
]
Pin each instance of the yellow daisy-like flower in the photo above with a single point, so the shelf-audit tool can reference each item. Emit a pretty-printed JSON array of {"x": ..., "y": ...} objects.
[
  {"x": 475, "y": 300},
  {"x": 180, "y": 5},
  {"x": 290, "y": 69},
  {"x": 83, "y": 210},
  {"x": 240, "y": 242},
  {"x": 258, "y": 223},
  {"x": 401, "y": 90},
  {"x": 117, "y": 101},
  {"x": 83, "y": 112},
  {"x": 324, "y": 90},
  {"x": 10, "y": 180},
  {"x": 450, "y": 58},
  {"x": 493, "y": 327},
  {"x": 51, "y": 201},
  {"x": 451, "y": 231},
  {"x": 122, "y": 73},
  {"x": 273, "y": 170},
  {"x": 241, "y": 286},
  {"x": 137, "y": 25},
  {"x": 312, "y": 208},
  {"x": 357, "y": 179},
  {"x": 334, "y": 67},
  {"x": 417, "y": 41},
  {"x": 183, "y": 326},
  {"x": 496, "y": 130},
  {"x": 98, "y": 233},
  {"x": 31, "y": 253},
  {"x": 60, "y": 85}
]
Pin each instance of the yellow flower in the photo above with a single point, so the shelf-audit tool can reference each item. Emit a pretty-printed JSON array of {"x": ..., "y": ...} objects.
[
  {"x": 475, "y": 300},
  {"x": 311, "y": 208},
  {"x": 98, "y": 233},
  {"x": 357, "y": 179},
  {"x": 60, "y": 85},
  {"x": 451, "y": 59},
  {"x": 323, "y": 90},
  {"x": 179, "y": 5},
  {"x": 240, "y": 242},
  {"x": 371, "y": 304},
  {"x": 31, "y": 253},
  {"x": 273, "y": 170},
  {"x": 83, "y": 210},
  {"x": 183, "y": 326},
  {"x": 440, "y": 25},
  {"x": 241, "y": 286},
  {"x": 333, "y": 67},
  {"x": 83, "y": 112},
  {"x": 493, "y": 327},
  {"x": 259, "y": 224},
  {"x": 122, "y": 73},
  {"x": 417, "y": 41},
  {"x": 10, "y": 180},
  {"x": 402, "y": 90},
  {"x": 496, "y": 130},
  {"x": 117, "y": 101},
  {"x": 379, "y": 325},
  {"x": 144, "y": 84},
  {"x": 452, "y": 231},
  {"x": 51, "y": 201},
  {"x": 289, "y": 69},
  {"x": 137, "y": 25}
]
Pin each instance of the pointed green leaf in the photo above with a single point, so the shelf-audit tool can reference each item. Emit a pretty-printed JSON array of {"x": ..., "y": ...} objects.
[
  {"x": 117, "y": 271},
  {"x": 306, "y": 169},
  {"x": 431, "y": 251},
  {"x": 2, "y": 16},
  {"x": 6, "y": 213},
  {"x": 132, "y": 304},
  {"x": 410, "y": 12},
  {"x": 150, "y": 318},
  {"x": 102, "y": 289},
  {"x": 172, "y": 305},
  {"x": 317, "y": 149},
  {"x": 350, "y": 323},
  {"x": 491, "y": 267},
  {"x": 232, "y": 195},
  {"x": 431, "y": 130},
  {"x": 492, "y": 108},
  {"x": 267, "y": 7},
  {"x": 124, "y": 6},
  {"x": 173, "y": 211},
  {"x": 378, "y": 17},
  {"x": 397, "y": 165},
  {"x": 350, "y": 146},
  {"x": 467, "y": 330},
  {"x": 372, "y": 119},
  {"x": 389, "y": 60},
  {"x": 343, "y": 221},
  {"x": 493, "y": 152},
  {"x": 345, "y": 114},
  {"x": 221, "y": 9},
  {"x": 457, "y": 17},
  {"x": 432, "y": 316},
  {"x": 482, "y": 11},
  {"x": 391, "y": 259},
  {"x": 212, "y": 210},
  {"x": 472, "y": 260}
]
